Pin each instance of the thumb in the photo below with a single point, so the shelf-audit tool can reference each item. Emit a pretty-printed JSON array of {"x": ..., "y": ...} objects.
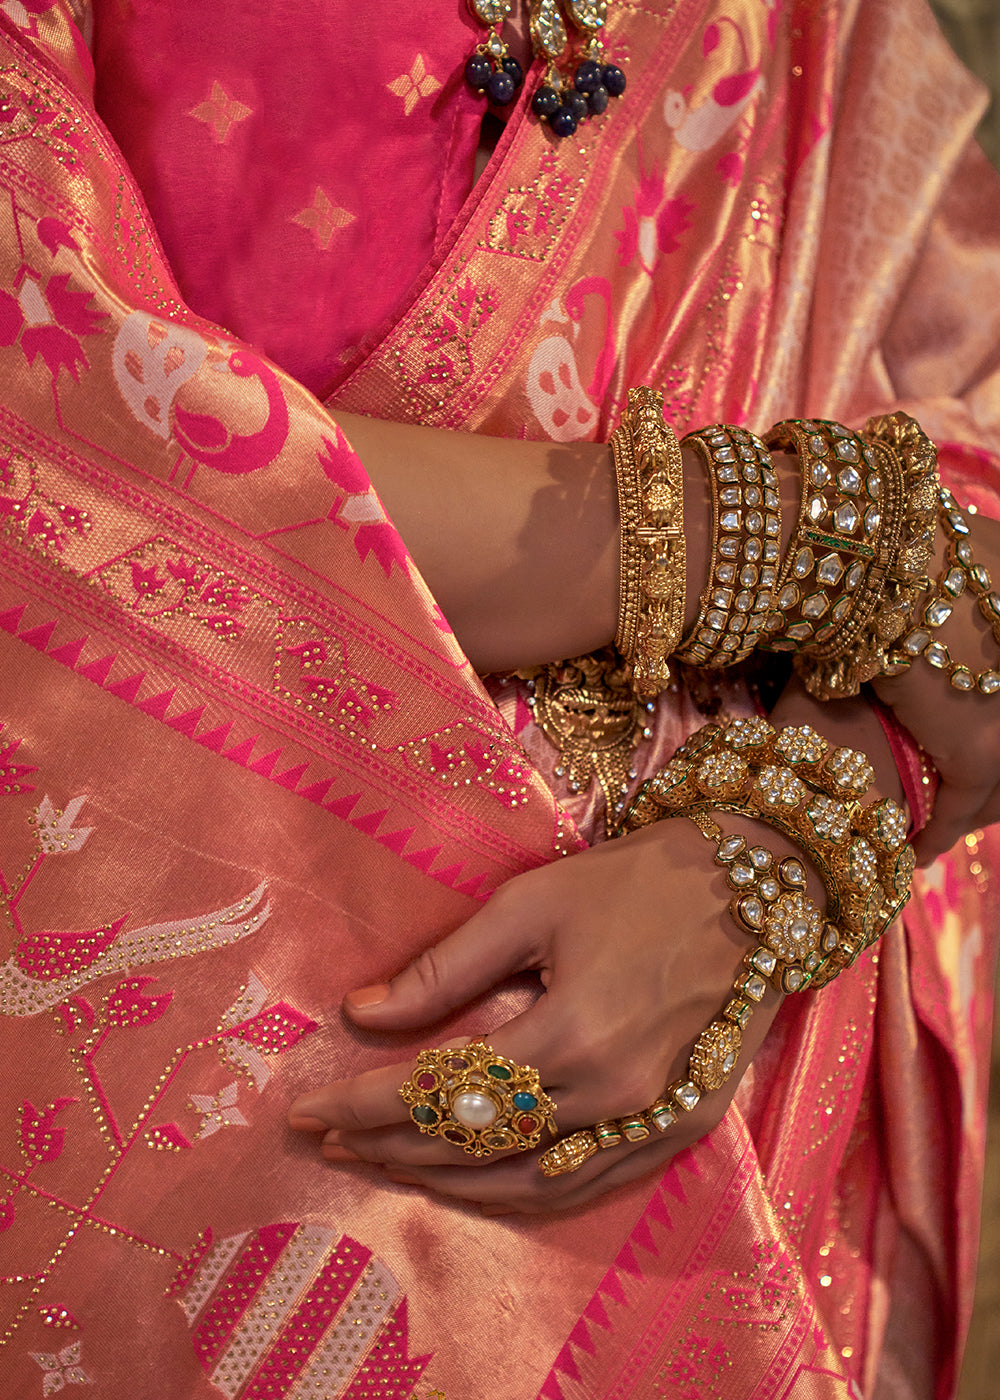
[{"x": 493, "y": 945}]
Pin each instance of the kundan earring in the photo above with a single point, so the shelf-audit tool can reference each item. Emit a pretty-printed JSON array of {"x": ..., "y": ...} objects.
[
  {"x": 492, "y": 69},
  {"x": 565, "y": 101},
  {"x": 562, "y": 101}
]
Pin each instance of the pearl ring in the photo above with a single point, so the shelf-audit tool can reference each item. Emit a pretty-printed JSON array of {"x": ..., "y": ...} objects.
[{"x": 478, "y": 1100}]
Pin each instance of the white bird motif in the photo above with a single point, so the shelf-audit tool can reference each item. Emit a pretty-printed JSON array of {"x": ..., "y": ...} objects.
[{"x": 25, "y": 994}]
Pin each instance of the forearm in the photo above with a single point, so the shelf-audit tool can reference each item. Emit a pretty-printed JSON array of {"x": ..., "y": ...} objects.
[{"x": 518, "y": 541}]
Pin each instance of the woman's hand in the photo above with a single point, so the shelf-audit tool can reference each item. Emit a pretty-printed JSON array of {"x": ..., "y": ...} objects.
[
  {"x": 959, "y": 731},
  {"x": 636, "y": 953}
]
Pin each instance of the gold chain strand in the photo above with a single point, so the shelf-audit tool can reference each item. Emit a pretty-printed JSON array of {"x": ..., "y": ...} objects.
[{"x": 960, "y": 575}]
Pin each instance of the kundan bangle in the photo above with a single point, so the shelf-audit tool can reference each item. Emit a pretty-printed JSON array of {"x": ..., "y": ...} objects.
[
  {"x": 834, "y": 541},
  {"x": 795, "y": 781},
  {"x": 847, "y": 534},
  {"x": 746, "y": 537},
  {"x": 649, "y": 474},
  {"x": 857, "y": 560}
]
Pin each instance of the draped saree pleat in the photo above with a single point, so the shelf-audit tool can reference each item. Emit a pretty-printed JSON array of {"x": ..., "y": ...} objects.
[{"x": 246, "y": 766}]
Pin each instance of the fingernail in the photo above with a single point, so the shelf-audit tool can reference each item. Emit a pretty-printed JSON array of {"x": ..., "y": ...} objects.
[
  {"x": 363, "y": 997},
  {"x": 332, "y": 1152},
  {"x": 305, "y": 1113},
  {"x": 402, "y": 1178},
  {"x": 305, "y": 1123}
]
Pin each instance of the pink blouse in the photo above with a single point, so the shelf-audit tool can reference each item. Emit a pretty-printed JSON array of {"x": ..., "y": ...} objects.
[{"x": 300, "y": 161}]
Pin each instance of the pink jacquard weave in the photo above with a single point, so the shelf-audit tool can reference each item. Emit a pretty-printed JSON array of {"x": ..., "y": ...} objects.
[{"x": 247, "y": 767}]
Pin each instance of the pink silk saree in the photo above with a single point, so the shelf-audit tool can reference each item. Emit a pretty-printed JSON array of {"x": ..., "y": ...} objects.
[{"x": 246, "y": 766}]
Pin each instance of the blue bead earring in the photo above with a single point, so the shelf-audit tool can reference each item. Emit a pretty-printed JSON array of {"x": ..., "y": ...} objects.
[
  {"x": 563, "y": 102},
  {"x": 492, "y": 69}
]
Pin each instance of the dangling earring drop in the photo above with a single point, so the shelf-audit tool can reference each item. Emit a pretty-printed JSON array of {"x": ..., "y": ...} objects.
[
  {"x": 561, "y": 101},
  {"x": 492, "y": 69}
]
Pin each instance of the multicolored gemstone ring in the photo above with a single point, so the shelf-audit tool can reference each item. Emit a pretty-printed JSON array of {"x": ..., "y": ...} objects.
[{"x": 478, "y": 1100}]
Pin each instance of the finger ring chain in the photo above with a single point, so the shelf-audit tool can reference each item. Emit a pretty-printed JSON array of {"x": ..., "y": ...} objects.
[
  {"x": 860, "y": 852},
  {"x": 478, "y": 1100}
]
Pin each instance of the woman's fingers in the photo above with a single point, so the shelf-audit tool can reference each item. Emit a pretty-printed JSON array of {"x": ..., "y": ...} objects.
[
  {"x": 368, "y": 1116},
  {"x": 396, "y": 1148},
  {"x": 516, "y": 1184},
  {"x": 495, "y": 943},
  {"x": 540, "y": 1038},
  {"x": 507, "y": 937},
  {"x": 369, "y": 1100},
  {"x": 491, "y": 946},
  {"x": 354, "y": 1109},
  {"x": 636, "y": 959},
  {"x": 514, "y": 1180}
]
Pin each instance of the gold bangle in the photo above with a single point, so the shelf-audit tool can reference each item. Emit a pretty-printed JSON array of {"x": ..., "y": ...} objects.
[
  {"x": 630, "y": 513},
  {"x": 650, "y": 479},
  {"x": 795, "y": 781},
  {"x": 869, "y": 501}
]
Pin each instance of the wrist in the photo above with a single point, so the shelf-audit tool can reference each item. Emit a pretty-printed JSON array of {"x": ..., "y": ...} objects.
[
  {"x": 852, "y": 723},
  {"x": 798, "y": 782}
]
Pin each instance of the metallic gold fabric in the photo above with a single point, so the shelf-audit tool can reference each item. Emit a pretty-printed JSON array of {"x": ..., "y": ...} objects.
[{"x": 246, "y": 766}]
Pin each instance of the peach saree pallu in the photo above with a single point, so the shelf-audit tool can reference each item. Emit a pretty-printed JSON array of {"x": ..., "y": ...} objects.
[{"x": 244, "y": 765}]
